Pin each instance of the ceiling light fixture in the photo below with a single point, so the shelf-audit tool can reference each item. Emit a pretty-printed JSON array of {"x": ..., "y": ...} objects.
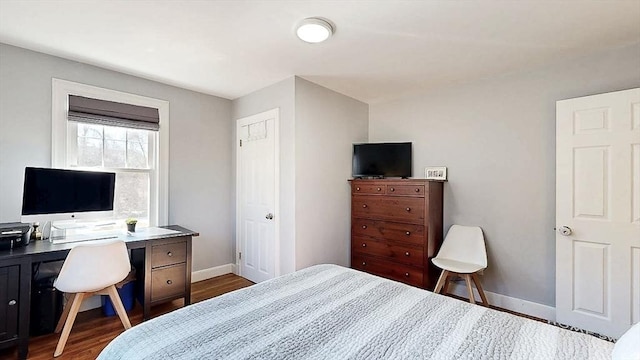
[{"x": 314, "y": 30}]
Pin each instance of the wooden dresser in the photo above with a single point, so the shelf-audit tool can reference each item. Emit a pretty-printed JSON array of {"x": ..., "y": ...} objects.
[{"x": 396, "y": 228}]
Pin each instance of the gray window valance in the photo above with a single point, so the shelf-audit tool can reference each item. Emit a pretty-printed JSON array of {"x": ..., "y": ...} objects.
[{"x": 102, "y": 112}]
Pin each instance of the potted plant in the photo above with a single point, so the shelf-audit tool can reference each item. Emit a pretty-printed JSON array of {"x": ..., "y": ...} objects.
[{"x": 131, "y": 224}]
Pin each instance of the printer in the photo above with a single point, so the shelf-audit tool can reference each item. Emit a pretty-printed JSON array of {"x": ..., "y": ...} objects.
[{"x": 13, "y": 235}]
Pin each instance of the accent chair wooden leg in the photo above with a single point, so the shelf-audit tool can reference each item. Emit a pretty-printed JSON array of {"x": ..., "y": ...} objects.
[
  {"x": 441, "y": 281},
  {"x": 447, "y": 281},
  {"x": 117, "y": 305},
  {"x": 467, "y": 278},
  {"x": 68, "y": 324},
  {"x": 476, "y": 280},
  {"x": 65, "y": 313}
]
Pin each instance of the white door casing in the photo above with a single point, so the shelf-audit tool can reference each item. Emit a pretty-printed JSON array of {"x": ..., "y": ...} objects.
[
  {"x": 598, "y": 209},
  {"x": 257, "y": 185}
]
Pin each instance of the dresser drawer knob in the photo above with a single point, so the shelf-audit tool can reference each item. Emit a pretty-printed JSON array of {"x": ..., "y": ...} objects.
[
  {"x": 364, "y": 226},
  {"x": 169, "y": 254},
  {"x": 379, "y": 189},
  {"x": 406, "y": 274},
  {"x": 364, "y": 263},
  {"x": 408, "y": 233},
  {"x": 357, "y": 189},
  {"x": 406, "y": 253},
  {"x": 417, "y": 189},
  {"x": 392, "y": 189},
  {"x": 408, "y": 209},
  {"x": 12, "y": 302},
  {"x": 364, "y": 245},
  {"x": 169, "y": 282},
  {"x": 364, "y": 206}
]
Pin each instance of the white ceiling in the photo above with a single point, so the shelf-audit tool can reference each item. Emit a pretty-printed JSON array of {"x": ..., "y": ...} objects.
[{"x": 381, "y": 49}]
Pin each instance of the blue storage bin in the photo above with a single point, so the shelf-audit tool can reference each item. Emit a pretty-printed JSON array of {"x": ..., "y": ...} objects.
[{"x": 126, "y": 293}]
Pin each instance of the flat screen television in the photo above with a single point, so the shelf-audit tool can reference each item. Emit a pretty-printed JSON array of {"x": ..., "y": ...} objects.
[
  {"x": 57, "y": 194},
  {"x": 382, "y": 160}
]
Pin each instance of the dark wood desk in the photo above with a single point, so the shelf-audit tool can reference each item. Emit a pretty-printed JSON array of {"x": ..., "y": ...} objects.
[{"x": 163, "y": 269}]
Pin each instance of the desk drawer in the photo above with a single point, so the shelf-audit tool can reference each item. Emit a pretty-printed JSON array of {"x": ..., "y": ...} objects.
[
  {"x": 168, "y": 282},
  {"x": 168, "y": 254}
]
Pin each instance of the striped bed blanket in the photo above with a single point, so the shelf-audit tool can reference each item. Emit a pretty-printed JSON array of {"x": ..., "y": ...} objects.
[{"x": 331, "y": 312}]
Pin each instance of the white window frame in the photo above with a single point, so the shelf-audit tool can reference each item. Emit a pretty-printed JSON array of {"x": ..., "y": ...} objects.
[{"x": 158, "y": 149}]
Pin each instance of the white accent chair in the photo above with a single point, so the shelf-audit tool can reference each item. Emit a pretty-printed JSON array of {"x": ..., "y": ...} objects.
[
  {"x": 463, "y": 253},
  {"x": 91, "y": 269}
]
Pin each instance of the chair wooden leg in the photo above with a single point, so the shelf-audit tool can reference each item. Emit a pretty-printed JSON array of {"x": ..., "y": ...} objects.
[
  {"x": 117, "y": 305},
  {"x": 68, "y": 324},
  {"x": 467, "y": 278},
  {"x": 65, "y": 313},
  {"x": 476, "y": 280},
  {"x": 441, "y": 281},
  {"x": 447, "y": 281}
]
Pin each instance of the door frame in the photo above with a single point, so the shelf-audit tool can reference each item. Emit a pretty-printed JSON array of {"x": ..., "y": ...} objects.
[{"x": 269, "y": 114}]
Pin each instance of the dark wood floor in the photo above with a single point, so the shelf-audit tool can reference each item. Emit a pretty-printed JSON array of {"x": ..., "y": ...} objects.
[{"x": 92, "y": 331}]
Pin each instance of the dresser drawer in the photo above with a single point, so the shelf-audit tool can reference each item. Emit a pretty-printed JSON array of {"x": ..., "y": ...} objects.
[
  {"x": 168, "y": 254},
  {"x": 168, "y": 282},
  {"x": 390, "y": 270},
  {"x": 385, "y": 230},
  {"x": 402, "y": 209},
  {"x": 368, "y": 189},
  {"x": 406, "y": 190},
  {"x": 412, "y": 255}
]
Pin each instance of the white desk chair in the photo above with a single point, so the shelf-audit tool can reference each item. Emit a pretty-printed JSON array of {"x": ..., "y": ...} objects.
[
  {"x": 91, "y": 269},
  {"x": 463, "y": 253}
]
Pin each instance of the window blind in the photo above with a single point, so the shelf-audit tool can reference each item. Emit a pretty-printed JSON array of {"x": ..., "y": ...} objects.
[{"x": 102, "y": 112}]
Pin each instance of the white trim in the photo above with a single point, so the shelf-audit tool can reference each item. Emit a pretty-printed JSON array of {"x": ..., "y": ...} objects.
[
  {"x": 209, "y": 273},
  {"x": 60, "y": 91},
  {"x": 275, "y": 114},
  {"x": 509, "y": 303}
]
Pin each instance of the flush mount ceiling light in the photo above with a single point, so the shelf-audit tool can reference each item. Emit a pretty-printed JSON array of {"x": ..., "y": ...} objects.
[{"x": 314, "y": 30}]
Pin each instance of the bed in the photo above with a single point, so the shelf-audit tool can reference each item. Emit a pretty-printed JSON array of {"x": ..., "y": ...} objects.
[{"x": 331, "y": 312}]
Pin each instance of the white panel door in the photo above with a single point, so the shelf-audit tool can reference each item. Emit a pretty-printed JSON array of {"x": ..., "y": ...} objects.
[
  {"x": 598, "y": 211},
  {"x": 257, "y": 201}
]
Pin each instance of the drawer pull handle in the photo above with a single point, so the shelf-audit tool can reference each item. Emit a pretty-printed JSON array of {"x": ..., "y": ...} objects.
[
  {"x": 357, "y": 189},
  {"x": 364, "y": 263},
  {"x": 364, "y": 245},
  {"x": 417, "y": 189},
  {"x": 364, "y": 226},
  {"x": 406, "y": 253},
  {"x": 408, "y": 209},
  {"x": 408, "y": 233},
  {"x": 169, "y": 282},
  {"x": 406, "y": 274},
  {"x": 364, "y": 206},
  {"x": 392, "y": 189},
  {"x": 379, "y": 189},
  {"x": 12, "y": 302},
  {"x": 169, "y": 254}
]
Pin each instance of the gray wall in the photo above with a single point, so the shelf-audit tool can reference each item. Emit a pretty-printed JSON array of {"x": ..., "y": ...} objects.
[
  {"x": 280, "y": 95},
  {"x": 327, "y": 125},
  {"x": 497, "y": 137},
  {"x": 200, "y": 143}
]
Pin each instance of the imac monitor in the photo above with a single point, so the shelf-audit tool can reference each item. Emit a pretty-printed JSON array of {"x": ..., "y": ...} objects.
[
  {"x": 382, "y": 160},
  {"x": 56, "y": 194}
]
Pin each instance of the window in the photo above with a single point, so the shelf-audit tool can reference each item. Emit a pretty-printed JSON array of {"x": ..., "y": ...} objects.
[
  {"x": 138, "y": 156},
  {"x": 122, "y": 151}
]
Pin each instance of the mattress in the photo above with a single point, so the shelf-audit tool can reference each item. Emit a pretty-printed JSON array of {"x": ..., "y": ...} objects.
[{"x": 331, "y": 312}]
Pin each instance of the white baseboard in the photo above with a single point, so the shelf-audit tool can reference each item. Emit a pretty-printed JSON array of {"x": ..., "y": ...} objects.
[
  {"x": 209, "y": 273},
  {"x": 510, "y": 303}
]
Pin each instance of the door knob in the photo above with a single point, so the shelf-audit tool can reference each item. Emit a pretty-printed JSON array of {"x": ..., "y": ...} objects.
[
  {"x": 565, "y": 230},
  {"x": 269, "y": 216}
]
